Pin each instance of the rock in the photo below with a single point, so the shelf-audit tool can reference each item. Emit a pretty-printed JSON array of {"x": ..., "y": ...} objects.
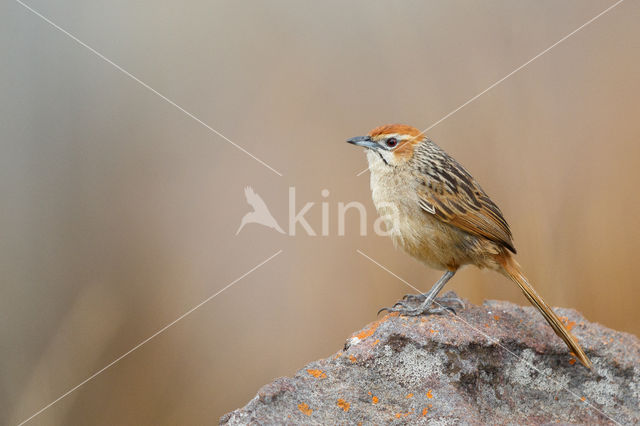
[{"x": 495, "y": 363}]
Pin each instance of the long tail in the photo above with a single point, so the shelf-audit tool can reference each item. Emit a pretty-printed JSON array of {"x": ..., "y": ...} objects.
[{"x": 512, "y": 270}]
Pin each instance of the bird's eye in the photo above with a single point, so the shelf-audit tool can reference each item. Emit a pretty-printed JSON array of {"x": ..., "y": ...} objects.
[{"x": 391, "y": 142}]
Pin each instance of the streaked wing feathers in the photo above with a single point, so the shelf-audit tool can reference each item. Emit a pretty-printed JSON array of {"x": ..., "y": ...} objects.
[{"x": 454, "y": 197}]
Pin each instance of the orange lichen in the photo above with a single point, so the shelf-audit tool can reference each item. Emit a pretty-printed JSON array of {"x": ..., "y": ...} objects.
[
  {"x": 582, "y": 398},
  {"x": 567, "y": 323},
  {"x": 304, "y": 408},
  {"x": 425, "y": 410},
  {"x": 343, "y": 404},
  {"x": 433, "y": 331},
  {"x": 374, "y": 400},
  {"x": 399, "y": 415},
  {"x": 368, "y": 332},
  {"x": 376, "y": 342},
  {"x": 352, "y": 358},
  {"x": 410, "y": 396},
  {"x": 572, "y": 361},
  {"x": 318, "y": 374},
  {"x": 429, "y": 395},
  {"x": 338, "y": 355},
  {"x": 496, "y": 317}
]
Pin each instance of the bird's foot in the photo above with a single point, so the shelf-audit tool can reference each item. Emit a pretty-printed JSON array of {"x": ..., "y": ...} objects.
[
  {"x": 442, "y": 305},
  {"x": 415, "y": 297}
]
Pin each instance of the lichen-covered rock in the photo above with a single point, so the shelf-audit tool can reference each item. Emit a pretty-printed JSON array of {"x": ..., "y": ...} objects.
[{"x": 495, "y": 363}]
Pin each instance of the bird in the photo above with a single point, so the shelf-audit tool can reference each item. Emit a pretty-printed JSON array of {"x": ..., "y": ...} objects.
[
  {"x": 438, "y": 213},
  {"x": 260, "y": 213}
]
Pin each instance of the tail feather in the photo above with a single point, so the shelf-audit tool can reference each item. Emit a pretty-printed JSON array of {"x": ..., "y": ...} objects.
[{"x": 512, "y": 270}]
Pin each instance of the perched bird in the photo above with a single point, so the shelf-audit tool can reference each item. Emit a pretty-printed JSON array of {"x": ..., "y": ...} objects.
[
  {"x": 260, "y": 213},
  {"x": 437, "y": 212}
]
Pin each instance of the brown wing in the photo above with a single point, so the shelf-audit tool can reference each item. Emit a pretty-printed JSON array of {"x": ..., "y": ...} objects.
[{"x": 450, "y": 193}]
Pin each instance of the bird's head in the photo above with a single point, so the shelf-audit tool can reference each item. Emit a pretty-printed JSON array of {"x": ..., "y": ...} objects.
[{"x": 394, "y": 143}]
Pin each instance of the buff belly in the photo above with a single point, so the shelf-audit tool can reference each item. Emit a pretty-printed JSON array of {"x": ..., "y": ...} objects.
[{"x": 433, "y": 242}]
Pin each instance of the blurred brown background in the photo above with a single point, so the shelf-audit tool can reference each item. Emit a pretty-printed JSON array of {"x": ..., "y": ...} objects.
[{"x": 118, "y": 212}]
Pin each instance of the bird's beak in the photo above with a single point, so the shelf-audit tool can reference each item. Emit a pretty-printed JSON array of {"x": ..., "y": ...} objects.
[{"x": 364, "y": 141}]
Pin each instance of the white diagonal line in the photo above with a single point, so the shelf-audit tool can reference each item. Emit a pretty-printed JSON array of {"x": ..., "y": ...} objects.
[
  {"x": 190, "y": 311},
  {"x": 492, "y": 339},
  {"x": 522, "y": 66},
  {"x": 143, "y": 84},
  {"x": 516, "y": 70}
]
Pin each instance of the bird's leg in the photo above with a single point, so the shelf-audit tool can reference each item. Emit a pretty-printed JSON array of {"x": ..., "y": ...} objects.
[
  {"x": 420, "y": 298},
  {"x": 431, "y": 294},
  {"x": 427, "y": 299}
]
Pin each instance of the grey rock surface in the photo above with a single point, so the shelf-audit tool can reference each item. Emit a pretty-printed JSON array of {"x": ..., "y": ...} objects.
[{"x": 495, "y": 363}]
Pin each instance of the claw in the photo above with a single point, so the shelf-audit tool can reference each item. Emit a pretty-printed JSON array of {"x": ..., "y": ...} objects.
[
  {"x": 402, "y": 311},
  {"x": 443, "y": 300},
  {"x": 414, "y": 297},
  {"x": 442, "y": 306},
  {"x": 383, "y": 309},
  {"x": 406, "y": 311}
]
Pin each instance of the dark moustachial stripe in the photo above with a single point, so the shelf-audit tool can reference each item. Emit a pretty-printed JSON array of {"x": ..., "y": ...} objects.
[{"x": 385, "y": 161}]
